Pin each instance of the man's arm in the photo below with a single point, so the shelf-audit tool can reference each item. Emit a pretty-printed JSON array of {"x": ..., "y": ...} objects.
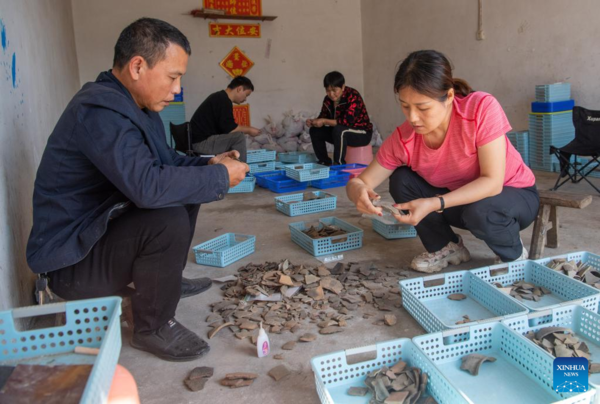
[{"x": 249, "y": 130}]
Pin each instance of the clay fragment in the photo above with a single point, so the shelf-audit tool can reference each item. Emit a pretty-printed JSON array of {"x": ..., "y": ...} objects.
[
  {"x": 398, "y": 397},
  {"x": 390, "y": 319},
  {"x": 278, "y": 356},
  {"x": 594, "y": 368},
  {"x": 308, "y": 279},
  {"x": 234, "y": 384},
  {"x": 248, "y": 325},
  {"x": 330, "y": 330},
  {"x": 332, "y": 284},
  {"x": 288, "y": 346},
  {"x": 308, "y": 337},
  {"x": 472, "y": 362},
  {"x": 398, "y": 367},
  {"x": 214, "y": 331},
  {"x": 241, "y": 375},
  {"x": 197, "y": 378},
  {"x": 279, "y": 372},
  {"x": 357, "y": 391},
  {"x": 195, "y": 384},
  {"x": 286, "y": 280},
  {"x": 457, "y": 296}
]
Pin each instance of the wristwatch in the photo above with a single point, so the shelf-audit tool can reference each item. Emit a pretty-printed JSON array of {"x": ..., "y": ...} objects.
[{"x": 442, "y": 204}]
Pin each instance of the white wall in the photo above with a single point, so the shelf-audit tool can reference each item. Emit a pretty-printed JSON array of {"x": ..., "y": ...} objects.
[
  {"x": 39, "y": 33},
  {"x": 309, "y": 38},
  {"x": 527, "y": 43}
]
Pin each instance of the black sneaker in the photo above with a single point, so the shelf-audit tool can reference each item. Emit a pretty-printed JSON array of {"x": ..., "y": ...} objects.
[
  {"x": 171, "y": 342},
  {"x": 192, "y": 287},
  {"x": 325, "y": 163}
]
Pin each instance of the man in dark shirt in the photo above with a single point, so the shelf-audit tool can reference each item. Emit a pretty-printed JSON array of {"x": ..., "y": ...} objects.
[
  {"x": 214, "y": 130},
  {"x": 113, "y": 204}
]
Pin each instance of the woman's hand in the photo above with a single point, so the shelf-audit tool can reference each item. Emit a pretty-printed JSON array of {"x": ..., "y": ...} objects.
[
  {"x": 318, "y": 123},
  {"x": 309, "y": 123},
  {"x": 417, "y": 210},
  {"x": 361, "y": 195}
]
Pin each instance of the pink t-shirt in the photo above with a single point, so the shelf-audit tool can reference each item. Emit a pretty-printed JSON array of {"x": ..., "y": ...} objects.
[{"x": 476, "y": 120}]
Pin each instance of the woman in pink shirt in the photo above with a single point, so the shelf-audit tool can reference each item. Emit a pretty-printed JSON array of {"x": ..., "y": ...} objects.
[{"x": 450, "y": 164}]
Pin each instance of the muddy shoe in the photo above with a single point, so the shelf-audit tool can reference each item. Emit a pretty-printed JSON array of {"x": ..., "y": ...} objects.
[
  {"x": 171, "y": 342},
  {"x": 192, "y": 287},
  {"x": 453, "y": 253}
]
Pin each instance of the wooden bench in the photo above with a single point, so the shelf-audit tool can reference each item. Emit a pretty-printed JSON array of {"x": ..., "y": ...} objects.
[{"x": 545, "y": 228}]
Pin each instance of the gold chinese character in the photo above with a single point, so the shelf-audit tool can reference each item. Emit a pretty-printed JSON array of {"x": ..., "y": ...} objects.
[
  {"x": 237, "y": 72},
  {"x": 253, "y": 31},
  {"x": 216, "y": 29},
  {"x": 228, "y": 31},
  {"x": 229, "y": 64},
  {"x": 241, "y": 30},
  {"x": 233, "y": 11},
  {"x": 232, "y": 2},
  {"x": 244, "y": 64},
  {"x": 236, "y": 56}
]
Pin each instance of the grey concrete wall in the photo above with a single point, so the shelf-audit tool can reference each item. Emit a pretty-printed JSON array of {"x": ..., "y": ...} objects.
[
  {"x": 38, "y": 76},
  {"x": 308, "y": 39},
  {"x": 527, "y": 43}
]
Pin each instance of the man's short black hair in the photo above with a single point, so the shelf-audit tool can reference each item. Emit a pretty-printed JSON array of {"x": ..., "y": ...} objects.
[
  {"x": 334, "y": 79},
  {"x": 241, "y": 81},
  {"x": 148, "y": 38}
]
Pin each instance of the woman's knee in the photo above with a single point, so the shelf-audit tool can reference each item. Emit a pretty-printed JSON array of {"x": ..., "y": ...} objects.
[{"x": 491, "y": 223}]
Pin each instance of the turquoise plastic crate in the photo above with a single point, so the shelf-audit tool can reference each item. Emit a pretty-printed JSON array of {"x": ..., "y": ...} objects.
[
  {"x": 258, "y": 156},
  {"x": 247, "y": 185},
  {"x": 327, "y": 245},
  {"x": 583, "y": 256},
  {"x": 261, "y": 177},
  {"x": 584, "y": 323},
  {"x": 297, "y": 157},
  {"x": 224, "y": 250},
  {"x": 262, "y": 167},
  {"x": 426, "y": 299},
  {"x": 306, "y": 172},
  {"x": 394, "y": 231},
  {"x": 334, "y": 375},
  {"x": 92, "y": 323},
  {"x": 301, "y": 207},
  {"x": 520, "y": 374},
  {"x": 564, "y": 290}
]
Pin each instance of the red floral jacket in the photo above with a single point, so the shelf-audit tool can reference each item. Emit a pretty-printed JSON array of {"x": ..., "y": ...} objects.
[{"x": 351, "y": 111}]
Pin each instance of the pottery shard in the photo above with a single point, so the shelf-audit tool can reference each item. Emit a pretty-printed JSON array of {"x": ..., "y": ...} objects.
[
  {"x": 390, "y": 319},
  {"x": 241, "y": 375},
  {"x": 288, "y": 346},
  {"x": 195, "y": 384},
  {"x": 234, "y": 384},
  {"x": 472, "y": 362},
  {"x": 278, "y": 357},
  {"x": 326, "y": 323},
  {"x": 358, "y": 391},
  {"x": 201, "y": 372},
  {"x": 398, "y": 367},
  {"x": 214, "y": 331},
  {"x": 308, "y": 279},
  {"x": 323, "y": 271},
  {"x": 308, "y": 337},
  {"x": 594, "y": 367},
  {"x": 332, "y": 284},
  {"x": 457, "y": 296},
  {"x": 286, "y": 280},
  {"x": 213, "y": 317},
  {"x": 397, "y": 397},
  {"x": 316, "y": 293},
  {"x": 279, "y": 372},
  {"x": 330, "y": 330},
  {"x": 248, "y": 325}
]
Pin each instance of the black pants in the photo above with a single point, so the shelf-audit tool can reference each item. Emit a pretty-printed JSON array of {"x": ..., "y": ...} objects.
[
  {"x": 148, "y": 247},
  {"x": 340, "y": 136},
  {"x": 496, "y": 220}
]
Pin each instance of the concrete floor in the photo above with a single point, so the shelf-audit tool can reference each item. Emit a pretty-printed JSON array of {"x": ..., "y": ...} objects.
[{"x": 161, "y": 382}]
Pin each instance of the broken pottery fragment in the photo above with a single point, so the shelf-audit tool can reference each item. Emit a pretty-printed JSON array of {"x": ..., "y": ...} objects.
[
  {"x": 457, "y": 296},
  {"x": 234, "y": 384},
  {"x": 214, "y": 331},
  {"x": 241, "y": 375},
  {"x": 472, "y": 362},
  {"x": 330, "y": 330},
  {"x": 594, "y": 367},
  {"x": 278, "y": 356},
  {"x": 279, "y": 372},
  {"x": 197, "y": 378},
  {"x": 398, "y": 367},
  {"x": 357, "y": 391},
  {"x": 332, "y": 284},
  {"x": 390, "y": 319},
  {"x": 308, "y": 337},
  {"x": 288, "y": 346}
]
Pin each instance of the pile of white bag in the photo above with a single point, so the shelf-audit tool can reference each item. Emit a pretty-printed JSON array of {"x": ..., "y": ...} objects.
[{"x": 291, "y": 134}]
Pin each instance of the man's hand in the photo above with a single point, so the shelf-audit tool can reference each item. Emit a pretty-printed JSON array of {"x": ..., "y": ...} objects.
[
  {"x": 253, "y": 131},
  {"x": 233, "y": 154},
  {"x": 236, "y": 169}
]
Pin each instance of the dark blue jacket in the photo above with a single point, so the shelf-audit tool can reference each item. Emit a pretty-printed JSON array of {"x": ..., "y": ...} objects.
[{"x": 105, "y": 154}]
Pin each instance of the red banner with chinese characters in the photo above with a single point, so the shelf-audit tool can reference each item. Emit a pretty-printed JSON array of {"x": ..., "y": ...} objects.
[
  {"x": 236, "y": 7},
  {"x": 218, "y": 30},
  {"x": 236, "y": 63},
  {"x": 241, "y": 114}
]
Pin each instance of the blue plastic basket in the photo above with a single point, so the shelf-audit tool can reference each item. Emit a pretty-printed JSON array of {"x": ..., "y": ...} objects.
[
  {"x": 336, "y": 179},
  {"x": 297, "y": 157},
  {"x": 301, "y": 207},
  {"x": 426, "y": 299},
  {"x": 583, "y": 256},
  {"x": 520, "y": 141},
  {"x": 334, "y": 375},
  {"x": 327, "y": 245},
  {"x": 556, "y": 106},
  {"x": 261, "y": 177},
  {"x": 564, "y": 290},
  {"x": 282, "y": 183},
  {"x": 258, "y": 156},
  {"x": 224, "y": 250},
  {"x": 520, "y": 374},
  {"x": 584, "y": 323},
  {"x": 247, "y": 185},
  {"x": 262, "y": 167},
  {"x": 553, "y": 92},
  {"x": 92, "y": 323},
  {"x": 394, "y": 231},
  {"x": 306, "y": 172}
]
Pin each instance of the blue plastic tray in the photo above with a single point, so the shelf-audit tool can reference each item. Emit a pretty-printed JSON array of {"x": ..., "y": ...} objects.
[
  {"x": 556, "y": 106},
  {"x": 224, "y": 250},
  {"x": 297, "y": 157},
  {"x": 393, "y": 231},
  {"x": 327, "y": 245},
  {"x": 430, "y": 306},
  {"x": 282, "y": 183},
  {"x": 520, "y": 374},
  {"x": 258, "y": 156},
  {"x": 92, "y": 323},
  {"x": 262, "y": 167},
  {"x": 247, "y": 185},
  {"x": 564, "y": 290},
  {"x": 301, "y": 207},
  {"x": 306, "y": 172},
  {"x": 260, "y": 177},
  {"x": 334, "y": 375},
  {"x": 336, "y": 179}
]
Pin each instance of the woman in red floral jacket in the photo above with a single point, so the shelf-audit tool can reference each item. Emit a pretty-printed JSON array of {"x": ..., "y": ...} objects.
[{"x": 343, "y": 121}]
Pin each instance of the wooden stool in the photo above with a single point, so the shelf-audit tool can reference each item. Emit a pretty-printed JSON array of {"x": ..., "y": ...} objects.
[
  {"x": 545, "y": 228},
  {"x": 123, "y": 389}
]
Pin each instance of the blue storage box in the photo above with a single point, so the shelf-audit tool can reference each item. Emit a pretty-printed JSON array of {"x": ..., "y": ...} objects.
[
  {"x": 282, "y": 183},
  {"x": 294, "y": 204},
  {"x": 92, "y": 323},
  {"x": 426, "y": 299},
  {"x": 394, "y": 231},
  {"x": 262, "y": 167},
  {"x": 258, "y": 156},
  {"x": 306, "y": 172},
  {"x": 564, "y": 290},
  {"x": 520, "y": 374},
  {"x": 334, "y": 375},
  {"x": 556, "y": 106},
  {"x": 247, "y": 185},
  {"x": 297, "y": 157},
  {"x": 336, "y": 179},
  {"x": 327, "y": 245},
  {"x": 224, "y": 250},
  {"x": 520, "y": 141}
]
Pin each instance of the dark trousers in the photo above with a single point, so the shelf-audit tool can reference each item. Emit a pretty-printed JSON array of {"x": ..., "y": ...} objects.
[
  {"x": 340, "y": 136},
  {"x": 496, "y": 220},
  {"x": 148, "y": 247}
]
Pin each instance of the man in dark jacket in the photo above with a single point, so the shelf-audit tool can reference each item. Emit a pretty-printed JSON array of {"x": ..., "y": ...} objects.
[
  {"x": 343, "y": 121},
  {"x": 113, "y": 204}
]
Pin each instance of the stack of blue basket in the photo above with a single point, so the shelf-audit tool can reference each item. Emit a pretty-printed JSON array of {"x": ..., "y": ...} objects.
[
  {"x": 520, "y": 141},
  {"x": 550, "y": 124}
]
